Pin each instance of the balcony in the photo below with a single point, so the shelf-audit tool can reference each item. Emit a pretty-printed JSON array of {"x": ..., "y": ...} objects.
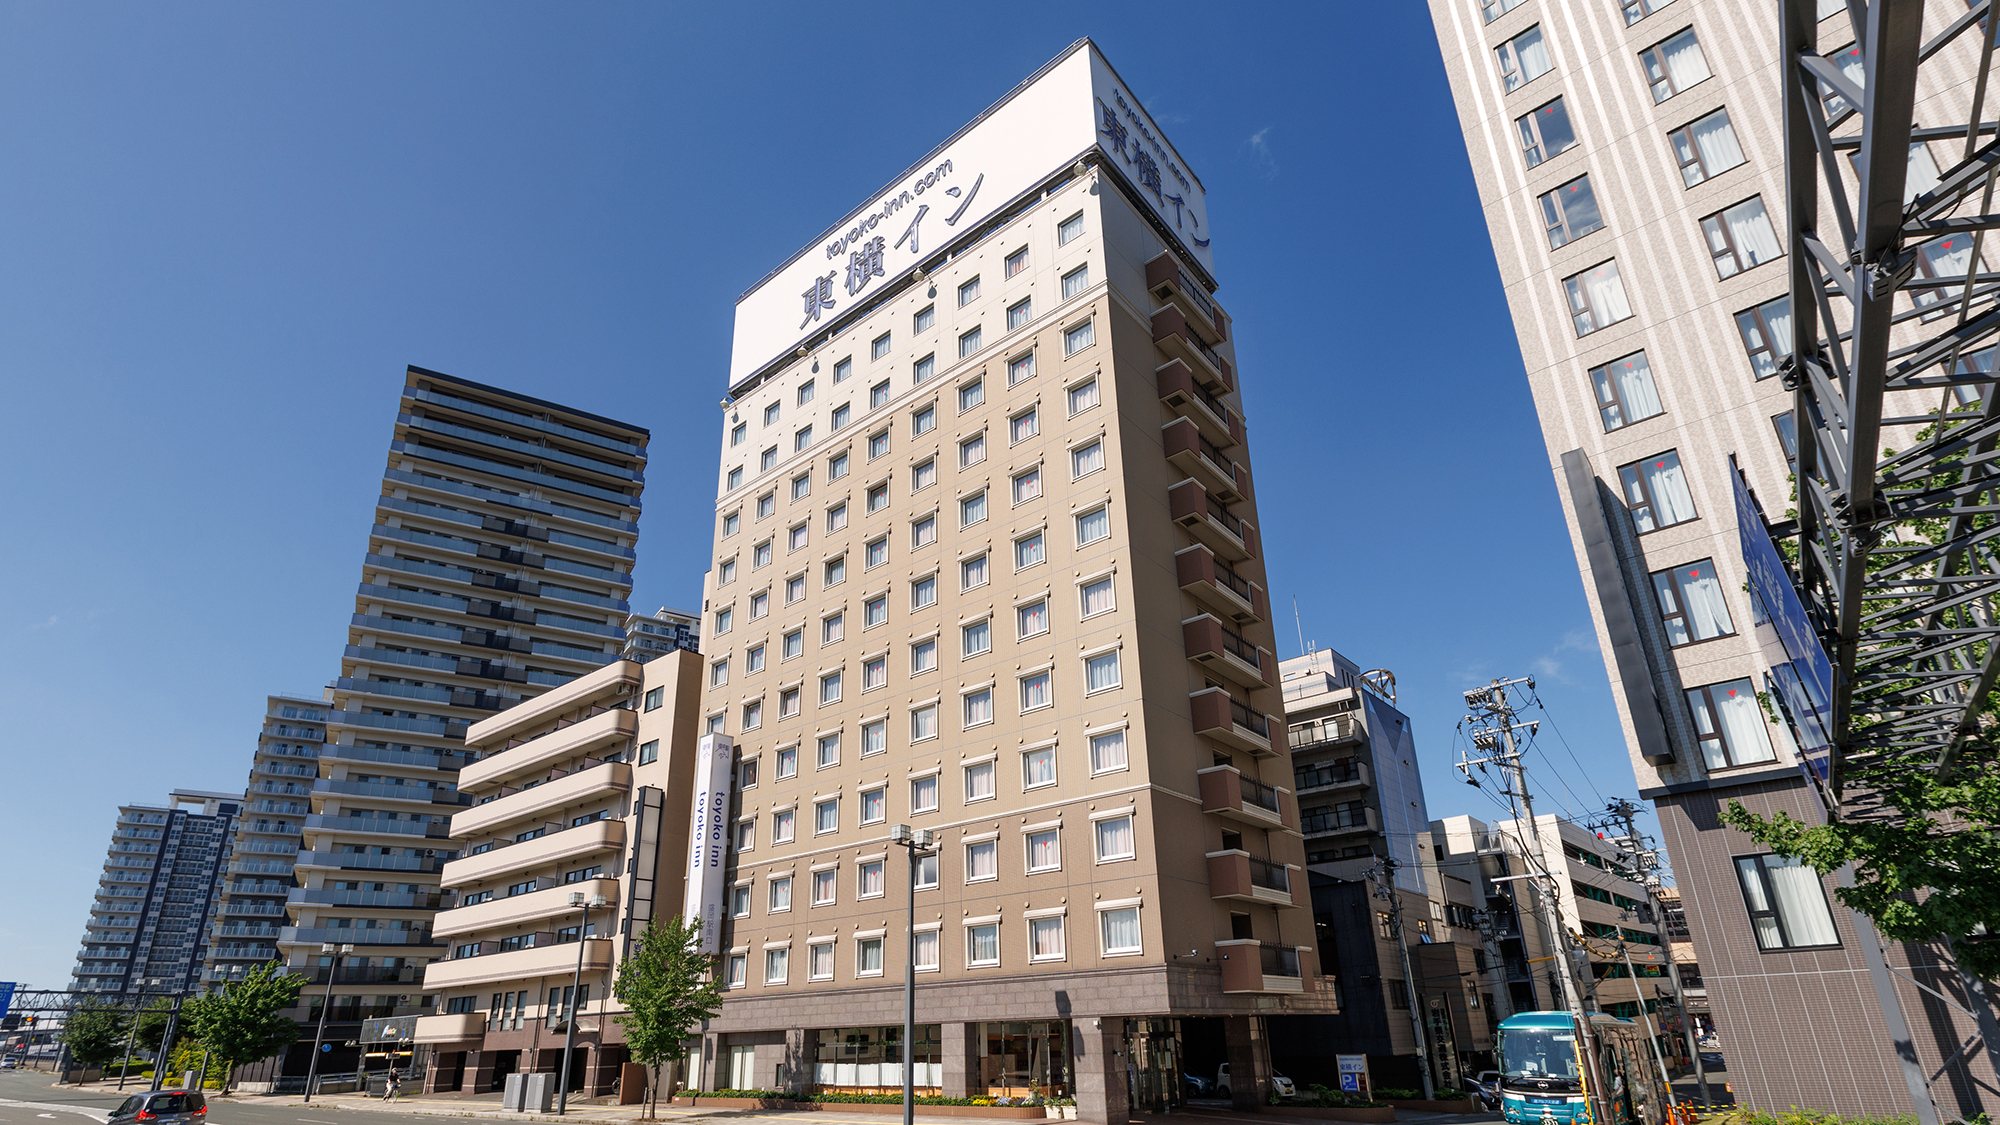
[
  {"x": 1179, "y": 389},
  {"x": 1228, "y": 794},
  {"x": 1218, "y": 586},
  {"x": 1326, "y": 734},
  {"x": 387, "y": 900},
  {"x": 353, "y": 861},
  {"x": 1168, "y": 281},
  {"x": 614, "y": 677},
  {"x": 455, "y": 1027},
  {"x": 1210, "y": 523},
  {"x": 1226, "y": 653},
  {"x": 556, "y": 959},
  {"x": 1236, "y": 875},
  {"x": 1174, "y": 336},
  {"x": 337, "y": 935},
  {"x": 386, "y": 791},
  {"x": 1344, "y": 820},
  {"x": 1255, "y": 966},
  {"x": 1219, "y": 716},
  {"x": 556, "y": 847},
  {"x": 1200, "y": 458},
  {"x": 520, "y": 805},
  {"x": 517, "y": 910},
  {"x": 1349, "y": 773},
  {"x": 377, "y": 826},
  {"x": 534, "y": 756}
]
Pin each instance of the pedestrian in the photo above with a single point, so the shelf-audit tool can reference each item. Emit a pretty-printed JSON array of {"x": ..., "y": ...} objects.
[{"x": 395, "y": 1084}]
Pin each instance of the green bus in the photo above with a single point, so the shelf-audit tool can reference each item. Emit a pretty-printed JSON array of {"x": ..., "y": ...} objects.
[{"x": 1543, "y": 1079}]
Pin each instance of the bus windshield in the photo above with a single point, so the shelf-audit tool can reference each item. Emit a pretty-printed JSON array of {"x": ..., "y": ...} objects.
[{"x": 1539, "y": 1053}]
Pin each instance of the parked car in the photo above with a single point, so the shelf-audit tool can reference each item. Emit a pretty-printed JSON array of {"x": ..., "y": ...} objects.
[
  {"x": 161, "y": 1107},
  {"x": 1712, "y": 1060},
  {"x": 1195, "y": 1086},
  {"x": 11, "y": 1062},
  {"x": 1485, "y": 1087},
  {"x": 1280, "y": 1085}
]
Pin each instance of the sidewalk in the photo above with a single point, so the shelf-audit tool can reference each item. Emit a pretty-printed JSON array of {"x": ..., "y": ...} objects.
[{"x": 598, "y": 1110}]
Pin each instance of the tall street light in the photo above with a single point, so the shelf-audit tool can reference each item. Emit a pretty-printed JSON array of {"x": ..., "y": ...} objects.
[
  {"x": 167, "y": 1039},
  {"x": 319, "y": 1037},
  {"x": 919, "y": 842},
  {"x": 132, "y": 1031},
  {"x": 576, "y": 899}
]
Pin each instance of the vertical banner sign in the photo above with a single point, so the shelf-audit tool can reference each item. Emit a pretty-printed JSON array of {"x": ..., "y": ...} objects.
[
  {"x": 708, "y": 836},
  {"x": 6, "y": 996},
  {"x": 1800, "y": 669}
]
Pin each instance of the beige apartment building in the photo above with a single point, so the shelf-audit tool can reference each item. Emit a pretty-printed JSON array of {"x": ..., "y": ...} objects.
[
  {"x": 987, "y": 564},
  {"x": 1627, "y": 157},
  {"x": 579, "y": 800}
]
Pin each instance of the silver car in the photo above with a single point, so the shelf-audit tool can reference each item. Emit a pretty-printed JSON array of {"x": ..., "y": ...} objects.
[{"x": 162, "y": 1107}]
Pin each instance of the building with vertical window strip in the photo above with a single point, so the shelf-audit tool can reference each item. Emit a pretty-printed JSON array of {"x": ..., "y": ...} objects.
[
  {"x": 148, "y": 928},
  {"x": 1628, "y": 159},
  {"x": 987, "y": 564}
]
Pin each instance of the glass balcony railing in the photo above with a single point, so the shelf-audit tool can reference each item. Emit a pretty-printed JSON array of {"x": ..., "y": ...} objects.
[
  {"x": 430, "y": 452},
  {"x": 515, "y": 418},
  {"x": 507, "y": 499},
  {"x": 335, "y": 752},
  {"x": 547, "y": 454}
]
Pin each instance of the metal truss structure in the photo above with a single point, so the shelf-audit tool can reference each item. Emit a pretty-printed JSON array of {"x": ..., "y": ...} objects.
[{"x": 1897, "y": 395}]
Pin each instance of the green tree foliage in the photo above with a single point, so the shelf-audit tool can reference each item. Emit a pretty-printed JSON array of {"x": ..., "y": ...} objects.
[
  {"x": 94, "y": 1033},
  {"x": 667, "y": 987},
  {"x": 246, "y": 1020},
  {"x": 149, "y": 1034}
]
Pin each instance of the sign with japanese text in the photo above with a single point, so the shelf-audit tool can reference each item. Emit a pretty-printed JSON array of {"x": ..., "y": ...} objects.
[
  {"x": 1075, "y": 104},
  {"x": 708, "y": 837}
]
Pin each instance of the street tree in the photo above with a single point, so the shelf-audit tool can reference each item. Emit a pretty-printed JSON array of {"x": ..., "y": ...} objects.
[
  {"x": 668, "y": 989},
  {"x": 245, "y": 1020},
  {"x": 94, "y": 1033},
  {"x": 149, "y": 1027}
]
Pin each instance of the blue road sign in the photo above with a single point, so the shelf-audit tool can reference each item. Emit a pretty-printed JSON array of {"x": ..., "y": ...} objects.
[{"x": 7, "y": 988}]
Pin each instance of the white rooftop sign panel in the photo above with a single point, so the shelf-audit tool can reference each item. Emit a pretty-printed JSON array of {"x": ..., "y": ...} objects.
[{"x": 1075, "y": 104}]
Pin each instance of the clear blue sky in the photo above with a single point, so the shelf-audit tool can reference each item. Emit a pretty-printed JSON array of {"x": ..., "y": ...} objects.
[{"x": 226, "y": 228}]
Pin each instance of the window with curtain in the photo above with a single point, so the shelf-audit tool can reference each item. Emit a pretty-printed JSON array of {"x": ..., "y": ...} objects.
[
  {"x": 923, "y": 592},
  {"x": 875, "y": 611},
  {"x": 971, "y": 394},
  {"x": 1118, "y": 930},
  {"x": 923, "y": 655},
  {"x": 1083, "y": 396},
  {"x": 826, "y": 815},
  {"x": 1014, "y": 263},
  {"x": 874, "y": 808},
  {"x": 923, "y": 474},
  {"x": 868, "y": 957},
  {"x": 1100, "y": 672},
  {"x": 968, "y": 292},
  {"x": 1523, "y": 59},
  {"x": 1037, "y": 691},
  {"x": 979, "y": 710},
  {"x": 923, "y": 723},
  {"x": 874, "y": 737},
  {"x": 1767, "y": 335},
  {"x": 1020, "y": 369},
  {"x": 1092, "y": 526},
  {"x": 1596, "y": 298},
  {"x": 777, "y": 965},
  {"x": 1656, "y": 492},
  {"x": 1107, "y": 751},
  {"x": 1625, "y": 391},
  {"x": 819, "y": 960},
  {"x": 976, "y": 638},
  {"x": 1636, "y": 10},
  {"x": 1086, "y": 459},
  {"x": 1787, "y": 903},
  {"x": 829, "y": 688},
  {"x": 869, "y": 881},
  {"x": 1080, "y": 337},
  {"x": 972, "y": 572},
  {"x": 1673, "y": 64},
  {"x": 924, "y": 951},
  {"x": 783, "y": 829},
  {"x": 1075, "y": 282},
  {"x": 969, "y": 343},
  {"x": 1045, "y": 849},
  {"x": 924, "y": 320},
  {"x": 1115, "y": 838},
  {"x": 1098, "y": 596},
  {"x": 1788, "y": 437},
  {"x": 924, "y": 793},
  {"x": 1032, "y": 619},
  {"x": 1019, "y": 313},
  {"x": 982, "y": 861},
  {"x": 779, "y": 897},
  {"x": 1730, "y": 723},
  {"x": 1029, "y": 550},
  {"x": 1849, "y": 60},
  {"x": 1943, "y": 260},
  {"x": 1705, "y": 148},
  {"x": 1741, "y": 237},
  {"x": 788, "y": 762},
  {"x": 1038, "y": 767},
  {"x": 1545, "y": 132},
  {"x": 1692, "y": 603},
  {"x": 982, "y": 944},
  {"x": 1023, "y": 426},
  {"x": 1045, "y": 939},
  {"x": 1028, "y": 485},
  {"x": 1494, "y": 9},
  {"x": 1570, "y": 211}
]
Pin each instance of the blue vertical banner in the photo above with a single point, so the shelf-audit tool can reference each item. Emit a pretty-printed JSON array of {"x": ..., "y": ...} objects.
[
  {"x": 7, "y": 988},
  {"x": 1801, "y": 675}
]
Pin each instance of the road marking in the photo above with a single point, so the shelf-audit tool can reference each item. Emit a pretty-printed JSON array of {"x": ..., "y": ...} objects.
[
  {"x": 317, "y": 1121},
  {"x": 93, "y": 1114}
]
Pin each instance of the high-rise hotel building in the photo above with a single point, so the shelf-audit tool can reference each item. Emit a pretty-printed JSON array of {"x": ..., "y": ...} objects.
[
  {"x": 499, "y": 566},
  {"x": 987, "y": 564},
  {"x": 1628, "y": 159}
]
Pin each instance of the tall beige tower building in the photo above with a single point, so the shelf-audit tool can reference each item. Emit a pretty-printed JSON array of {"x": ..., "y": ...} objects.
[{"x": 987, "y": 564}]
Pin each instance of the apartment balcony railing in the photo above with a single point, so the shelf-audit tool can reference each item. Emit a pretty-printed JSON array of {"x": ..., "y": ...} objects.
[
  {"x": 1227, "y": 653},
  {"x": 1346, "y": 820},
  {"x": 1254, "y": 966},
  {"x": 1180, "y": 389},
  {"x": 1218, "y": 715},
  {"x": 418, "y": 794},
  {"x": 527, "y": 757},
  {"x": 1191, "y": 453},
  {"x": 1174, "y": 335},
  {"x": 378, "y": 826},
  {"x": 1209, "y": 522},
  {"x": 414, "y": 758},
  {"x": 355, "y": 861},
  {"x": 1227, "y": 793},
  {"x": 306, "y": 935},
  {"x": 1326, "y": 733},
  {"x": 1237, "y": 875},
  {"x": 388, "y": 900},
  {"x": 1348, "y": 773},
  {"x": 1169, "y": 281},
  {"x": 515, "y": 806}
]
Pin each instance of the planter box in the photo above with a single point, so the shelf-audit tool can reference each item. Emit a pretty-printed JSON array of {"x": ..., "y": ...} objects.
[
  {"x": 1380, "y": 1113},
  {"x": 885, "y": 1109},
  {"x": 1435, "y": 1105}
]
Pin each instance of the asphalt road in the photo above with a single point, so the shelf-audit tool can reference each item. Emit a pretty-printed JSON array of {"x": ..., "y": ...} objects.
[{"x": 26, "y": 1098}]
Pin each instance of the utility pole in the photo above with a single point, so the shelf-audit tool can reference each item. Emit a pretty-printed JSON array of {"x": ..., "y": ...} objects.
[
  {"x": 1493, "y": 728},
  {"x": 1489, "y": 935},
  {"x": 1645, "y": 863},
  {"x": 1384, "y": 876}
]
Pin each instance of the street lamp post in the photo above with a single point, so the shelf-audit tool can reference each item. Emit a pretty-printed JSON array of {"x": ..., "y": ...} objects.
[
  {"x": 167, "y": 1041},
  {"x": 919, "y": 843},
  {"x": 326, "y": 1005},
  {"x": 576, "y": 898},
  {"x": 132, "y": 1034}
]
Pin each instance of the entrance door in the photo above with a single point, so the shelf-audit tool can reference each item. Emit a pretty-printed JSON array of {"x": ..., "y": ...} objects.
[
  {"x": 1153, "y": 1072},
  {"x": 742, "y": 1067}
]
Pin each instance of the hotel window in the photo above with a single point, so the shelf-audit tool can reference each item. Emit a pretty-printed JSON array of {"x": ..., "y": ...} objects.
[
  {"x": 792, "y": 644},
  {"x": 649, "y": 752},
  {"x": 875, "y": 611},
  {"x": 796, "y": 537},
  {"x": 1569, "y": 212},
  {"x": 1086, "y": 459},
  {"x": 836, "y": 517},
  {"x": 972, "y": 572},
  {"x": 739, "y": 433},
  {"x": 878, "y": 444},
  {"x": 874, "y": 737},
  {"x": 1625, "y": 391},
  {"x": 1636, "y": 10},
  {"x": 725, "y": 620},
  {"x": 832, "y": 628},
  {"x": 739, "y": 969},
  {"x": 1037, "y": 692},
  {"x": 1101, "y": 672},
  {"x": 767, "y": 460},
  {"x": 874, "y": 673},
  {"x": 795, "y": 590},
  {"x": 819, "y": 960},
  {"x": 784, "y": 826},
  {"x": 1014, "y": 263},
  {"x": 879, "y": 347},
  {"x": 718, "y": 673},
  {"x": 1115, "y": 839},
  {"x": 777, "y": 965},
  {"x": 823, "y": 887},
  {"x": 746, "y": 835},
  {"x": 924, "y": 949},
  {"x": 982, "y": 861},
  {"x": 926, "y": 875},
  {"x": 826, "y": 816},
  {"x": 1705, "y": 148},
  {"x": 1032, "y": 619},
  {"x": 968, "y": 291},
  {"x": 878, "y": 395},
  {"x": 1494, "y": 9},
  {"x": 1083, "y": 396},
  {"x": 923, "y": 474},
  {"x": 760, "y": 555},
  {"x": 1038, "y": 767},
  {"x": 924, "y": 592},
  {"x": 753, "y": 658},
  {"x": 725, "y": 573},
  {"x": 842, "y": 369},
  {"x": 923, "y": 532},
  {"x": 1118, "y": 930},
  {"x": 1075, "y": 282},
  {"x": 842, "y": 415},
  {"x": 1741, "y": 237},
  {"x": 972, "y": 450},
  {"x": 1107, "y": 751},
  {"x": 969, "y": 342},
  {"x": 1029, "y": 550},
  {"x": 1787, "y": 903},
  {"x": 1523, "y": 59},
  {"x": 972, "y": 509},
  {"x": 976, "y": 638},
  {"x": 982, "y": 945},
  {"x": 767, "y": 505},
  {"x": 1692, "y": 603},
  {"x": 971, "y": 394},
  {"x": 923, "y": 723},
  {"x": 1098, "y": 596},
  {"x": 1945, "y": 260},
  {"x": 1596, "y": 298},
  {"x": 875, "y": 552},
  {"x": 923, "y": 656},
  {"x": 1767, "y": 335},
  {"x": 1673, "y": 64},
  {"x": 1545, "y": 132},
  {"x": 1788, "y": 437},
  {"x": 739, "y": 901},
  {"x": 1068, "y": 230},
  {"x": 1019, "y": 313},
  {"x": 874, "y": 805},
  {"x": 829, "y": 688},
  {"x": 1027, "y": 485},
  {"x": 923, "y": 370},
  {"x": 788, "y": 762},
  {"x": 771, "y": 414},
  {"x": 1656, "y": 492},
  {"x": 1093, "y": 526},
  {"x": 734, "y": 479},
  {"x": 789, "y": 703},
  {"x": 779, "y": 898},
  {"x": 878, "y": 497},
  {"x": 1730, "y": 723},
  {"x": 731, "y": 524},
  {"x": 1045, "y": 938},
  {"x": 802, "y": 438},
  {"x": 1080, "y": 337},
  {"x": 656, "y": 699},
  {"x": 718, "y": 723},
  {"x": 924, "y": 793},
  {"x": 1024, "y": 425},
  {"x": 925, "y": 319},
  {"x": 1020, "y": 369}
]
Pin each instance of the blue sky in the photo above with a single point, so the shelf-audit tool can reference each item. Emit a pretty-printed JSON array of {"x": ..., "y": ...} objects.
[{"x": 226, "y": 228}]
